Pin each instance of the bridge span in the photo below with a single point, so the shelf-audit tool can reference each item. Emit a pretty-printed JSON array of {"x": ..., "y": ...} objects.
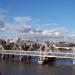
[{"x": 39, "y": 53}]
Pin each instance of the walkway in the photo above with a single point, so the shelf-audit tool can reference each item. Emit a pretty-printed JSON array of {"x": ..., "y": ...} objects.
[{"x": 39, "y": 53}]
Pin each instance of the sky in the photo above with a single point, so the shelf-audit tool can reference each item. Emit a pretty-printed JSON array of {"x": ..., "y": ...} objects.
[{"x": 37, "y": 17}]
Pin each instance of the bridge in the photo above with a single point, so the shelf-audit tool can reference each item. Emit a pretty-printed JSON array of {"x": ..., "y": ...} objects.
[{"x": 39, "y": 53}]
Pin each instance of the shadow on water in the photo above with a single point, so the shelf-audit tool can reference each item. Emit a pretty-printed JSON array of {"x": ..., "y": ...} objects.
[{"x": 49, "y": 61}]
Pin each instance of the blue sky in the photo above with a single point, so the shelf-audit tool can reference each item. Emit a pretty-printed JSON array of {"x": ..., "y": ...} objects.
[{"x": 57, "y": 15}]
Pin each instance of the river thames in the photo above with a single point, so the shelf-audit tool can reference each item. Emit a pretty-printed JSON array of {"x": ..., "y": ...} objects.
[{"x": 8, "y": 67}]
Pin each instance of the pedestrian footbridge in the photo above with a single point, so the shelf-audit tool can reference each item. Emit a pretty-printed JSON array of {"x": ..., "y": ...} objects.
[{"x": 39, "y": 53}]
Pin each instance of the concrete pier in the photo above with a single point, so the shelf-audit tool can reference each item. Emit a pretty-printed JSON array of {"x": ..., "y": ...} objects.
[
  {"x": 12, "y": 56},
  {"x": 8, "y": 56},
  {"x": 2, "y": 56},
  {"x": 20, "y": 58}
]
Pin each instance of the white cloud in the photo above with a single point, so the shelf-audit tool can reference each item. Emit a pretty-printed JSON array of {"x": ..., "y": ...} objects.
[
  {"x": 45, "y": 30},
  {"x": 22, "y": 20},
  {"x": 24, "y": 30},
  {"x": 2, "y": 18},
  {"x": 20, "y": 25},
  {"x": 23, "y": 25},
  {"x": 52, "y": 31}
]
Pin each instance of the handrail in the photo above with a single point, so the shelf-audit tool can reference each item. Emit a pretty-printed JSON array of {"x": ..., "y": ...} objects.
[{"x": 37, "y": 53}]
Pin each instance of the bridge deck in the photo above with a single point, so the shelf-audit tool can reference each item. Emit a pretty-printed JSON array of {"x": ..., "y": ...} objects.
[{"x": 39, "y": 53}]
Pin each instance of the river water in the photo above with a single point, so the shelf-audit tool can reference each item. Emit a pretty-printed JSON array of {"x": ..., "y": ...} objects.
[{"x": 8, "y": 67}]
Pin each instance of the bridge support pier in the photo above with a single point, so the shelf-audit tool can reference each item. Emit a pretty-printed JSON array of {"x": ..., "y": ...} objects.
[
  {"x": 73, "y": 61},
  {"x": 12, "y": 56},
  {"x": 8, "y": 56},
  {"x": 2, "y": 57},
  {"x": 28, "y": 58},
  {"x": 20, "y": 58}
]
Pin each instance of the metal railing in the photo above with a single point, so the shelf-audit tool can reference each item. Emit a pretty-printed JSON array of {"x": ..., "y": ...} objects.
[{"x": 39, "y": 53}]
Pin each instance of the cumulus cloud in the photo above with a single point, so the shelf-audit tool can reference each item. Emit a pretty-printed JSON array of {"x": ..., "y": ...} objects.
[
  {"x": 22, "y": 18},
  {"x": 45, "y": 31},
  {"x": 2, "y": 18},
  {"x": 24, "y": 30},
  {"x": 50, "y": 30},
  {"x": 23, "y": 25}
]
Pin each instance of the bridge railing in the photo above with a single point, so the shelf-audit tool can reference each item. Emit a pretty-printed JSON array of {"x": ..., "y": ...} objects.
[
  {"x": 61, "y": 55},
  {"x": 20, "y": 52},
  {"x": 39, "y": 53}
]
